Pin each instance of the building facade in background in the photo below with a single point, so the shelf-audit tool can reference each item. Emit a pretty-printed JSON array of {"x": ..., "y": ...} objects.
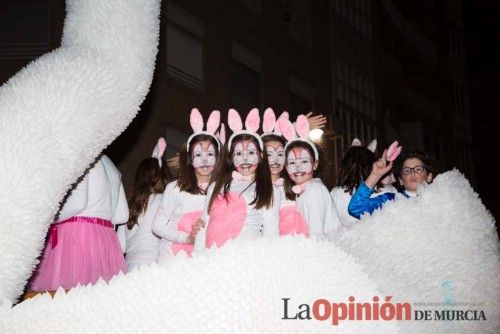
[{"x": 384, "y": 69}]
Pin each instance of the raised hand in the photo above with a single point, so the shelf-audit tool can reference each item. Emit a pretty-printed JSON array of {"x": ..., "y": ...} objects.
[
  {"x": 379, "y": 169},
  {"x": 316, "y": 122},
  {"x": 173, "y": 162}
]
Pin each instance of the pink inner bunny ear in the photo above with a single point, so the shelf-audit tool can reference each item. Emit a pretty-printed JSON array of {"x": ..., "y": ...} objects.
[
  {"x": 213, "y": 121},
  {"x": 302, "y": 126},
  {"x": 234, "y": 120},
  {"x": 393, "y": 151},
  {"x": 252, "y": 121},
  {"x": 196, "y": 120},
  {"x": 356, "y": 142},
  {"x": 159, "y": 148},
  {"x": 269, "y": 121},
  {"x": 222, "y": 134},
  {"x": 286, "y": 128},
  {"x": 372, "y": 146}
]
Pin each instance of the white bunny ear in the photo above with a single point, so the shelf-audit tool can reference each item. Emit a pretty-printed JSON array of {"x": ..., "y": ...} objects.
[
  {"x": 269, "y": 121},
  {"x": 234, "y": 120},
  {"x": 286, "y": 128},
  {"x": 356, "y": 142},
  {"x": 196, "y": 120},
  {"x": 302, "y": 126},
  {"x": 277, "y": 129},
  {"x": 159, "y": 149},
  {"x": 372, "y": 146},
  {"x": 252, "y": 122},
  {"x": 213, "y": 121}
]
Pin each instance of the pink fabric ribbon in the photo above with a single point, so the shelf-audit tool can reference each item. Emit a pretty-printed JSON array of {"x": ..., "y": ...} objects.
[
  {"x": 239, "y": 177},
  {"x": 299, "y": 188},
  {"x": 278, "y": 182},
  {"x": 76, "y": 219},
  {"x": 203, "y": 185}
]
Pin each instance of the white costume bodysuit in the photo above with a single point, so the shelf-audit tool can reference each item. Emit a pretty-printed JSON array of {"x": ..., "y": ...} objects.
[
  {"x": 176, "y": 214},
  {"x": 236, "y": 218}
]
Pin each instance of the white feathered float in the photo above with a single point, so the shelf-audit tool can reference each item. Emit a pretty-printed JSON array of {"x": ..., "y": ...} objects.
[{"x": 62, "y": 110}]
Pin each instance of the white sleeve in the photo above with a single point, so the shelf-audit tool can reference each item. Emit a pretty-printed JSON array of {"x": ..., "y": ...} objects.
[
  {"x": 332, "y": 222},
  {"x": 120, "y": 215},
  {"x": 316, "y": 213},
  {"x": 76, "y": 201},
  {"x": 272, "y": 215},
  {"x": 163, "y": 226},
  {"x": 200, "y": 240}
]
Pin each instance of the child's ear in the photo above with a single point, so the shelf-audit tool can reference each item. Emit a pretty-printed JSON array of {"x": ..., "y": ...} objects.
[
  {"x": 400, "y": 181},
  {"x": 315, "y": 166},
  {"x": 429, "y": 178}
]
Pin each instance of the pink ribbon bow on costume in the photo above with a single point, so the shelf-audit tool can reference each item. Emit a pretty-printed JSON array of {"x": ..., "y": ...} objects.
[
  {"x": 278, "y": 182},
  {"x": 239, "y": 177},
  {"x": 299, "y": 188},
  {"x": 203, "y": 185}
]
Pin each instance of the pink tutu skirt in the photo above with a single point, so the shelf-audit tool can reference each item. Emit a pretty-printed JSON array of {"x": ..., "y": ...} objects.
[{"x": 79, "y": 250}]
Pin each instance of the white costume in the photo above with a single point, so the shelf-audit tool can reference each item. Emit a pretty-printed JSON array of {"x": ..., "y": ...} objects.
[
  {"x": 105, "y": 198},
  {"x": 177, "y": 211},
  {"x": 238, "y": 217},
  {"x": 141, "y": 244},
  {"x": 82, "y": 244},
  {"x": 318, "y": 214},
  {"x": 317, "y": 208}
]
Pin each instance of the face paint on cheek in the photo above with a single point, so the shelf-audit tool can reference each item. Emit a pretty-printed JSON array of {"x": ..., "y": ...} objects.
[
  {"x": 204, "y": 156},
  {"x": 305, "y": 165},
  {"x": 276, "y": 155},
  {"x": 291, "y": 163},
  {"x": 245, "y": 153}
]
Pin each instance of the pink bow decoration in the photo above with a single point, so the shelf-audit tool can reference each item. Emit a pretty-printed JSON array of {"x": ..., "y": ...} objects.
[{"x": 240, "y": 177}]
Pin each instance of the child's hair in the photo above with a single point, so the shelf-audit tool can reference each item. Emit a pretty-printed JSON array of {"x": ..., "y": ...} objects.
[
  {"x": 187, "y": 177},
  {"x": 355, "y": 167},
  {"x": 268, "y": 138},
  {"x": 225, "y": 167},
  {"x": 413, "y": 154},
  {"x": 149, "y": 179},
  {"x": 288, "y": 184}
]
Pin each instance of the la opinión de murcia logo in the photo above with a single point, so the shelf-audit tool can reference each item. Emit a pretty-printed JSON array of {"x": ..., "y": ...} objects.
[{"x": 377, "y": 309}]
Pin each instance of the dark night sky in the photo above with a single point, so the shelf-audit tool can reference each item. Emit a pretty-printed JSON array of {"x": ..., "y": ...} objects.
[
  {"x": 482, "y": 32},
  {"x": 27, "y": 21}
]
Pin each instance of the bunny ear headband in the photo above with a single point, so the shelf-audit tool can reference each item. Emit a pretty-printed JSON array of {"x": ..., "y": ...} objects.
[
  {"x": 372, "y": 146},
  {"x": 270, "y": 124},
  {"x": 298, "y": 133},
  {"x": 196, "y": 121},
  {"x": 252, "y": 123},
  {"x": 159, "y": 149}
]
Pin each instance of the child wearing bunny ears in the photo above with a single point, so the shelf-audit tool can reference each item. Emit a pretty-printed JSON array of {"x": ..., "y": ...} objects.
[
  {"x": 183, "y": 200},
  {"x": 355, "y": 167},
  {"x": 82, "y": 245},
  {"x": 362, "y": 200},
  {"x": 319, "y": 217},
  {"x": 242, "y": 203},
  {"x": 144, "y": 197}
]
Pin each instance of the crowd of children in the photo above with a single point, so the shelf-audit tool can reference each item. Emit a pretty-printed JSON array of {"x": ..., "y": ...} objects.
[{"x": 258, "y": 184}]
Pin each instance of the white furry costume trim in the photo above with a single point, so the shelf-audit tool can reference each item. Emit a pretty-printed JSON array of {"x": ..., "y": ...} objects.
[
  {"x": 235, "y": 289},
  {"x": 440, "y": 247},
  {"x": 60, "y": 112}
]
